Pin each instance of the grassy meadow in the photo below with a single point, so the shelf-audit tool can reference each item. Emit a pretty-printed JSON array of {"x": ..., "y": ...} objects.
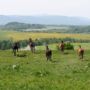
[
  {"x": 86, "y": 46},
  {"x": 34, "y": 72}
]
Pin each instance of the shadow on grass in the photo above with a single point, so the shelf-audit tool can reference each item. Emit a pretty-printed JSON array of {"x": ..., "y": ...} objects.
[
  {"x": 66, "y": 53},
  {"x": 41, "y": 73}
]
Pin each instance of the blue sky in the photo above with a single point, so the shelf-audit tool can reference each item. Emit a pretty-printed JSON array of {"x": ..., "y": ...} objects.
[{"x": 45, "y": 7}]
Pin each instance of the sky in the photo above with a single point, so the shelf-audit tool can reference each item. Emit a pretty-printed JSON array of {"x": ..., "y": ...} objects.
[{"x": 79, "y": 8}]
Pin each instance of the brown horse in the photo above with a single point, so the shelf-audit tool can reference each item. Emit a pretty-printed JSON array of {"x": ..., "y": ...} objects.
[
  {"x": 62, "y": 46},
  {"x": 48, "y": 53},
  {"x": 80, "y": 52},
  {"x": 15, "y": 47},
  {"x": 32, "y": 45}
]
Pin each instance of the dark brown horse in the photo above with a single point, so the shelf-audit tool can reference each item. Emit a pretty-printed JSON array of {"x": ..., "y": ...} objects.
[
  {"x": 48, "y": 53},
  {"x": 15, "y": 47},
  {"x": 32, "y": 45}
]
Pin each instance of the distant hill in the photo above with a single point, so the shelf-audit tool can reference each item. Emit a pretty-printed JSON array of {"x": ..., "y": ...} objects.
[
  {"x": 20, "y": 26},
  {"x": 17, "y": 26},
  {"x": 49, "y": 20}
]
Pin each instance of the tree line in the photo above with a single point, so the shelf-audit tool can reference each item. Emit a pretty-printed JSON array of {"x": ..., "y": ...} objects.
[{"x": 7, "y": 44}]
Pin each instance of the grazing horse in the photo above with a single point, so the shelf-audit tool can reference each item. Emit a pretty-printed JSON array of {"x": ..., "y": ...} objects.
[
  {"x": 15, "y": 48},
  {"x": 80, "y": 52},
  {"x": 48, "y": 53},
  {"x": 62, "y": 46},
  {"x": 32, "y": 45}
]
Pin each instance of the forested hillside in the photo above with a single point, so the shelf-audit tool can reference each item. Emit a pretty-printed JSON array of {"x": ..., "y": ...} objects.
[{"x": 17, "y": 26}]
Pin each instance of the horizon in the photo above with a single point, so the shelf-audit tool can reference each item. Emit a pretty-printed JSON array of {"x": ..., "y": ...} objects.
[
  {"x": 70, "y": 8},
  {"x": 47, "y": 15}
]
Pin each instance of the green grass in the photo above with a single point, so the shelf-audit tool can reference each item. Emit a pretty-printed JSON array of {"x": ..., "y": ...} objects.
[
  {"x": 86, "y": 46},
  {"x": 34, "y": 72},
  {"x": 3, "y": 35}
]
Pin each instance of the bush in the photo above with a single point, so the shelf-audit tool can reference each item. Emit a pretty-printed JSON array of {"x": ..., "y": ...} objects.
[
  {"x": 69, "y": 46},
  {"x": 5, "y": 44}
]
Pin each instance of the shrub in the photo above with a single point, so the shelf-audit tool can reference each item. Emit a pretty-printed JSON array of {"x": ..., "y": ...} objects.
[{"x": 69, "y": 46}]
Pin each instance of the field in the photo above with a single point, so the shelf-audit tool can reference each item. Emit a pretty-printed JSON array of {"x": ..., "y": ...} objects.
[
  {"x": 25, "y": 35},
  {"x": 34, "y": 72},
  {"x": 86, "y": 46}
]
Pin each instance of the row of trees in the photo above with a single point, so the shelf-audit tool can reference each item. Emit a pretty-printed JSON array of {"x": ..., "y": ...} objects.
[
  {"x": 17, "y": 26},
  {"x": 7, "y": 44}
]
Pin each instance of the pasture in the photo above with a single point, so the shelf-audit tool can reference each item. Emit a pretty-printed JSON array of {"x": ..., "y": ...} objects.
[
  {"x": 86, "y": 46},
  {"x": 34, "y": 72}
]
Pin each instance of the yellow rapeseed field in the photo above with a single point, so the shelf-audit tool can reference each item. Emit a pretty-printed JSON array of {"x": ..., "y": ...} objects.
[{"x": 26, "y": 35}]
